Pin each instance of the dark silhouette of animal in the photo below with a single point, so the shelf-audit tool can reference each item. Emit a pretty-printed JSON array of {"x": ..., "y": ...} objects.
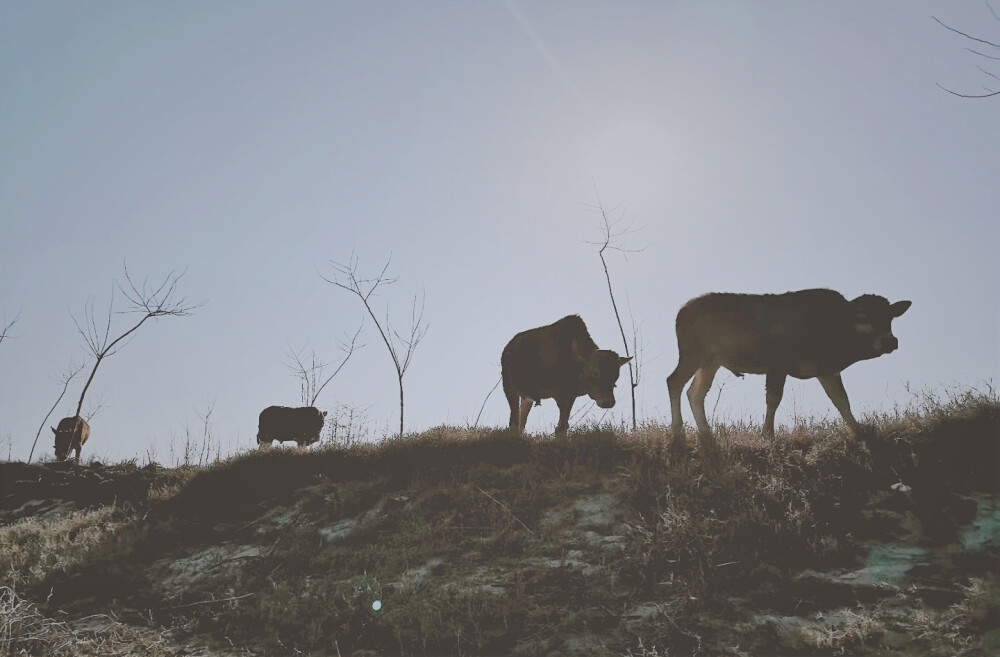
[
  {"x": 557, "y": 361},
  {"x": 805, "y": 334},
  {"x": 284, "y": 423},
  {"x": 71, "y": 433}
]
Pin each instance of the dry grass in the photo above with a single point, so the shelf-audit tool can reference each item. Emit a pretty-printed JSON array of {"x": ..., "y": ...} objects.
[
  {"x": 480, "y": 542},
  {"x": 33, "y": 548},
  {"x": 851, "y": 637}
]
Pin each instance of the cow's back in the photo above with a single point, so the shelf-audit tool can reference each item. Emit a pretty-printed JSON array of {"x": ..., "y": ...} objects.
[
  {"x": 758, "y": 332},
  {"x": 541, "y": 359}
]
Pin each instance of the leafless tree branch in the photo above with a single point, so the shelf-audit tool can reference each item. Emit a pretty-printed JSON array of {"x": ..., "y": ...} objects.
[
  {"x": 345, "y": 276},
  {"x": 150, "y": 302},
  {"x": 989, "y": 92},
  {"x": 967, "y": 36},
  {"x": 67, "y": 376},
  {"x": 5, "y": 333},
  {"x": 95, "y": 407},
  {"x": 309, "y": 370}
]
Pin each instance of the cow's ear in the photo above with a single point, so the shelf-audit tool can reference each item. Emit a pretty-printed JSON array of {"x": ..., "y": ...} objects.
[
  {"x": 622, "y": 360},
  {"x": 899, "y": 308},
  {"x": 53, "y": 430}
]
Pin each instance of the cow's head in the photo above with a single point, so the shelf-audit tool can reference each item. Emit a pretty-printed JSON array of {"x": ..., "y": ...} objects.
[
  {"x": 64, "y": 440},
  {"x": 873, "y": 317},
  {"x": 598, "y": 373}
]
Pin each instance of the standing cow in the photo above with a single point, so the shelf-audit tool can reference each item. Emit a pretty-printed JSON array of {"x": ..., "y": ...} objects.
[
  {"x": 70, "y": 433},
  {"x": 805, "y": 334},
  {"x": 281, "y": 423},
  {"x": 557, "y": 361}
]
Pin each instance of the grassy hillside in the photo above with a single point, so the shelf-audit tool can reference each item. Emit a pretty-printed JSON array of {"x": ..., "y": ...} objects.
[{"x": 465, "y": 542}]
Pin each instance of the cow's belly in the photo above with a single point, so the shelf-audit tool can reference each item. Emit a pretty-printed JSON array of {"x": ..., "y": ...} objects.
[
  {"x": 799, "y": 368},
  {"x": 538, "y": 394}
]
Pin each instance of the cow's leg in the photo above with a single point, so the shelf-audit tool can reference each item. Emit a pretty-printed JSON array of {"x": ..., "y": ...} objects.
[
  {"x": 834, "y": 387},
  {"x": 526, "y": 405},
  {"x": 703, "y": 378},
  {"x": 685, "y": 369},
  {"x": 514, "y": 401},
  {"x": 775, "y": 386},
  {"x": 78, "y": 448},
  {"x": 565, "y": 405}
]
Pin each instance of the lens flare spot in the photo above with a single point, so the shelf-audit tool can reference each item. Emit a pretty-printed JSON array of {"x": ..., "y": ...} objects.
[{"x": 376, "y": 605}]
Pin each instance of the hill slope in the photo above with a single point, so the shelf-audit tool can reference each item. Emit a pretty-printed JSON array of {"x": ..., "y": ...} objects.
[{"x": 459, "y": 542}]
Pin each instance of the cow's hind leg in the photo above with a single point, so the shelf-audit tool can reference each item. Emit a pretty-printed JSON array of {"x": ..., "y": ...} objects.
[
  {"x": 526, "y": 405},
  {"x": 565, "y": 406},
  {"x": 686, "y": 367},
  {"x": 703, "y": 378},
  {"x": 834, "y": 387},
  {"x": 514, "y": 401},
  {"x": 775, "y": 386}
]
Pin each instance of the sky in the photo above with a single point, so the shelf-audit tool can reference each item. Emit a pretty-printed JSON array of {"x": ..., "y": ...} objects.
[{"x": 753, "y": 147}]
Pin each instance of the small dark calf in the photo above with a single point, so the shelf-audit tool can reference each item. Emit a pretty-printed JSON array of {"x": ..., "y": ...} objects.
[{"x": 303, "y": 425}]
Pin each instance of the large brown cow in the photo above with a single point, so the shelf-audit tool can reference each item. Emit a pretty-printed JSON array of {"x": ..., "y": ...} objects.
[
  {"x": 805, "y": 334},
  {"x": 303, "y": 425},
  {"x": 557, "y": 361},
  {"x": 71, "y": 433}
]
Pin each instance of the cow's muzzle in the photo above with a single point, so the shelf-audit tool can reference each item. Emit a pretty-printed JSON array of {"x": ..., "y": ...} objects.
[
  {"x": 887, "y": 345},
  {"x": 605, "y": 403}
]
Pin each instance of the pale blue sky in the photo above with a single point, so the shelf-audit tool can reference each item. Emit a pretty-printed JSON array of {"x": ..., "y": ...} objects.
[{"x": 764, "y": 147}]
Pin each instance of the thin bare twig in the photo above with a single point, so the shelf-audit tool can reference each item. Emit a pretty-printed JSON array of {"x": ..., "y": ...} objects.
[
  {"x": 5, "y": 333},
  {"x": 507, "y": 509},
  {"x": 208, "y": 602},
  {"x": 967, "y": 36},
  {"x": 480, "y": 414}
]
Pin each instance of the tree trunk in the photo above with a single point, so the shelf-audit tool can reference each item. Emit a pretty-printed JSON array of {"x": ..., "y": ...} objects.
[{"x": 400, "y": 407}]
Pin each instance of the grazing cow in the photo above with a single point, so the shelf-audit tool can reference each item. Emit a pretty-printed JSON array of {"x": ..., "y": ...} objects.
[
  {"x": 557, "y": 361},
  {"x": 805, "y": 334},
  {"x": 284, "y": 423},
  {"x": 71, "y": 433}
]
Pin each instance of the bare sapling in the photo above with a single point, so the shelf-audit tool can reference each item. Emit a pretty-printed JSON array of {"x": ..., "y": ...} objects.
[
  {"x": 401, "y": 346},
  {"x": 613, "y": 237},
  {"x": 983, "y": 48},
  {"x": 309, "y": 370},
  {"x": 66, "y": 378}
]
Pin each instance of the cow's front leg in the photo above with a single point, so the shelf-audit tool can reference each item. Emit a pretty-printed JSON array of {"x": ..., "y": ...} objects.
[
  {"x": 696, "y": 396},
  {"x": 565, "y": 406},
  {"x": 526, "y": 405},
  {"x": 834, "y": 387},
  {"x": 775, "y": 386}
]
